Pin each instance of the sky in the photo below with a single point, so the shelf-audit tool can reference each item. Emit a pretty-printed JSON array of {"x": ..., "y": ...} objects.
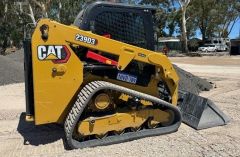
[{"x": 236, "y": 30}]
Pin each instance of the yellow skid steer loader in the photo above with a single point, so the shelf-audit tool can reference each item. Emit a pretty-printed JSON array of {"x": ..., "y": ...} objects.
[{"x": 102, "y": 80}]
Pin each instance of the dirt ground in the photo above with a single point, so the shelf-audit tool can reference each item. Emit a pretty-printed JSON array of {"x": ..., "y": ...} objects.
[{"x": 18, "y": 138}]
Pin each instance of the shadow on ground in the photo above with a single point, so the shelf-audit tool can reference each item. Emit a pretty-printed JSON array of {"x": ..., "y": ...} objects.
[{"x": 39, "y": 135}]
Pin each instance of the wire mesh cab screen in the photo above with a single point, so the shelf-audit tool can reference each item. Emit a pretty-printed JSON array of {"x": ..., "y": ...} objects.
[
  {"x": 122, "y": 26},
  {"x": 125, "y": 23}
]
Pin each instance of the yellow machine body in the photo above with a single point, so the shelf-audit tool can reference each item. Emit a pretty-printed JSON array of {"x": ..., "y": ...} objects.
[
  {"x": 56, "y": 84},
  {"x": 102, "y": 88}
]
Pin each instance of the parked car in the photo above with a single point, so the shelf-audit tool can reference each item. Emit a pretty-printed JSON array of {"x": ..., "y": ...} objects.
[
  {"x": 208, "y": 48},
  {"x": 222, "y": 44}
]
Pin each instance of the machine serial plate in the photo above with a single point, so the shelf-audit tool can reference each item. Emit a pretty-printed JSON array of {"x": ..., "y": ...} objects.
[{"x": 127, "y": 78}]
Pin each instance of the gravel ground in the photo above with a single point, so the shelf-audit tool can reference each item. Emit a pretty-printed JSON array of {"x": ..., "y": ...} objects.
[
  {"x": 11, "y": 68},
  {"x": 18, "y": 138}
]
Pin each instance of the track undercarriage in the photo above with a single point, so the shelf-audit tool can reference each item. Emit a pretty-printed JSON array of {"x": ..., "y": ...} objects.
[{"x": 105, "y": 113}]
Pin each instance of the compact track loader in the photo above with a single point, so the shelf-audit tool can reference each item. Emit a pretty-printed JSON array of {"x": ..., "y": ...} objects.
[{"x": 101, "y": 78}]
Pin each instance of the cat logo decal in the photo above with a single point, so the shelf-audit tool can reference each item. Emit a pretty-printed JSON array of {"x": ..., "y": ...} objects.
[{"x": 56, "y": 53}]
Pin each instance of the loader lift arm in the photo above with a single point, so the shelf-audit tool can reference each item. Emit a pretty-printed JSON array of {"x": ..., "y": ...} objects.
[{"x": 60, "y": 34}]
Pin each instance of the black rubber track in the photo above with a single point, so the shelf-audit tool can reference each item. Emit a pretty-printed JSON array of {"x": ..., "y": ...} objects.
[{"x": 85, "y": 96}]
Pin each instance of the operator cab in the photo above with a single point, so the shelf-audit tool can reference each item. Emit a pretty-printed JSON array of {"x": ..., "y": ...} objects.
[{"x": 126, "y": 23}]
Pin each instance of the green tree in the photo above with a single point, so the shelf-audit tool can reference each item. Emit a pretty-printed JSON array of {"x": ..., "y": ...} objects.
[
  {"x": 230, "y": 14},
  {"x": 16, "y": 14},
  {"x": 214, "y": 17}
]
